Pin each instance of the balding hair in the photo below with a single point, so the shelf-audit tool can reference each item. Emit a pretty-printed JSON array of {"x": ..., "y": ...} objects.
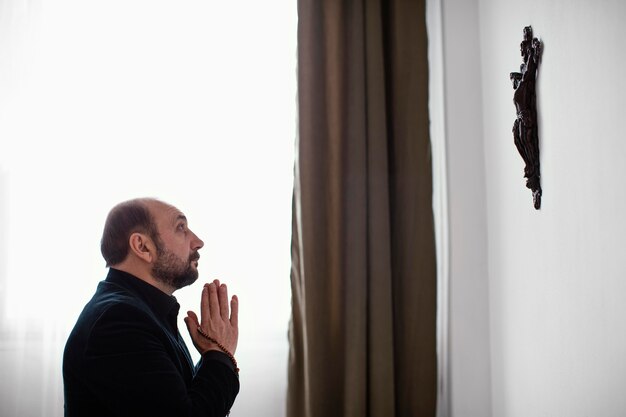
[{"x": 126, "y": 218}]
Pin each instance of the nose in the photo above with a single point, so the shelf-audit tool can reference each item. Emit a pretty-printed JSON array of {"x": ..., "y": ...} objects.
[{"x": 196, "y": 242}]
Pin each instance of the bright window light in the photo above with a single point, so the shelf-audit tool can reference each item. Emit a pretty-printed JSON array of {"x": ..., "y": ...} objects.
[{"x": 192, "y": 102}]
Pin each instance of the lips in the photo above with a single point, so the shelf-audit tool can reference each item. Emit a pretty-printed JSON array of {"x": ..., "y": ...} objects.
[{"x": 195, "y": 257}]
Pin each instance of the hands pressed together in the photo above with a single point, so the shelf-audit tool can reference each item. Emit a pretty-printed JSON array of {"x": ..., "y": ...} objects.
[{"x": 217, "y": 320}]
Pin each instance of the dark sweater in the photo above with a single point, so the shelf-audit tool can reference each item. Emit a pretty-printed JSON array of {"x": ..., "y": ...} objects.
[{"x": 125, "y": 357}]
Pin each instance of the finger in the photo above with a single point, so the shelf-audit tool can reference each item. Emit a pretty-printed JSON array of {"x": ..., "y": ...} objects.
[
  {"x": 214, "y": 305},
  {"x": 234, "y": 311},
  {"x": 191, "y": 328},
  {"x": 194, "y": 319},
  {"x": 204, "y": 305},
  {"x": 223, "y": 297}
]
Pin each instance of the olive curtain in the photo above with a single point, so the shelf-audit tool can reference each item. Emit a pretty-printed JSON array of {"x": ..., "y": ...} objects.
[{"x": 363, "y": 327}]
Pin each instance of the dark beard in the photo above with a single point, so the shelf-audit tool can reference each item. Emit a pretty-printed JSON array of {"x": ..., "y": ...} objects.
[{"x": 172, "y": 270}]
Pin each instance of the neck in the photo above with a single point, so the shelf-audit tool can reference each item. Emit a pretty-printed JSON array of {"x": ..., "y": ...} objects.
[{"x": 145, "y": 275}]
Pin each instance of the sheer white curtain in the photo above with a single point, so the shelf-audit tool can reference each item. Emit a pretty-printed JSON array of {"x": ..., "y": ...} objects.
[{"x": 189, "y": 101}]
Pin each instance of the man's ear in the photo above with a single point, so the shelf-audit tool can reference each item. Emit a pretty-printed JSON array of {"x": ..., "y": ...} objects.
[{"x": 142, "y": 247}]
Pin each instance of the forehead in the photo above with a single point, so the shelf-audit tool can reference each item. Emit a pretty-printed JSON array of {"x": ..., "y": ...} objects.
[{"x": 165, "y": 214}]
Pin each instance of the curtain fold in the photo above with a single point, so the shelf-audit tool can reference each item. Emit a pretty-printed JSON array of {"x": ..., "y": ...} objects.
[{"x": 363, "y": 327}]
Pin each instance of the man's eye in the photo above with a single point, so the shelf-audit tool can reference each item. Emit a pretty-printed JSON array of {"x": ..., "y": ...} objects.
[{"x": 182, "y": 227}]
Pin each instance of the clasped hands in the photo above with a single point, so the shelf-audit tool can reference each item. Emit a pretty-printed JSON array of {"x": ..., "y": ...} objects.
[{"x": 217, "y": 320}]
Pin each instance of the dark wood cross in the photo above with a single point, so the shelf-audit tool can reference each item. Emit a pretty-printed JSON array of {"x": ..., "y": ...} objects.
[{"x": 525, "y": 133}]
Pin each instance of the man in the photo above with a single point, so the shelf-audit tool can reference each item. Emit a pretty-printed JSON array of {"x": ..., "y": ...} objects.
[{"x": 125, "y": 356}]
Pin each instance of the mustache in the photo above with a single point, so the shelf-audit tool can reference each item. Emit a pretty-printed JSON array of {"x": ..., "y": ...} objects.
[{"x": 194, "y": 256}]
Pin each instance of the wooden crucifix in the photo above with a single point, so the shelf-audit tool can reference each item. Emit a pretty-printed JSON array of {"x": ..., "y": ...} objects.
[{"x": 525, "y": 133}]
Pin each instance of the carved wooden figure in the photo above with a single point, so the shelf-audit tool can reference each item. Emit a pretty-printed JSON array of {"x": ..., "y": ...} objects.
[{"x": 525, "y": 133}]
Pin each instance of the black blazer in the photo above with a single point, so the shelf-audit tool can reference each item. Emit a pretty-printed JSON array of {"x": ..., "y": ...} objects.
[{"x": 125, "y": 357}]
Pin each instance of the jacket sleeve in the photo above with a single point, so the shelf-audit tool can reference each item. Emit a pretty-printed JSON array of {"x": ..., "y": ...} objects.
[{"x": 132, "y": 370}]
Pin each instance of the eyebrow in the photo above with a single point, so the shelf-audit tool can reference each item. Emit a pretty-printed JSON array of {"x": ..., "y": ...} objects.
[{"x": 180, "y": 217}]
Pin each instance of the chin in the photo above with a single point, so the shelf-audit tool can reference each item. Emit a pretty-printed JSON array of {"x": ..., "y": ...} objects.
[{"x": 187, "y": 279}]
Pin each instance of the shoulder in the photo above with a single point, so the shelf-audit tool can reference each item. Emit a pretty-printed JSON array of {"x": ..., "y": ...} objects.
[
  {"x": 112, "y": 302},
  {"x": 112, "y": 311}
]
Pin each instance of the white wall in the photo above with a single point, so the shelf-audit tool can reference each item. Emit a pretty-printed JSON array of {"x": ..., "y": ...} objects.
[
  {"x": 556, "y": 277},
  {"x": 468, "y": 373}
]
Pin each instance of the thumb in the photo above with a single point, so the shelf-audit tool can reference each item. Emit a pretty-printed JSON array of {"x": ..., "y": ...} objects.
[
  {"x": 189, "y": 325},
  {"x": 191, "y": 321}
]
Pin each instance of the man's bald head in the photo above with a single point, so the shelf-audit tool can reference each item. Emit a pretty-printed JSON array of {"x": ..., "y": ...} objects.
[{"x": 126, "y": 218}]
